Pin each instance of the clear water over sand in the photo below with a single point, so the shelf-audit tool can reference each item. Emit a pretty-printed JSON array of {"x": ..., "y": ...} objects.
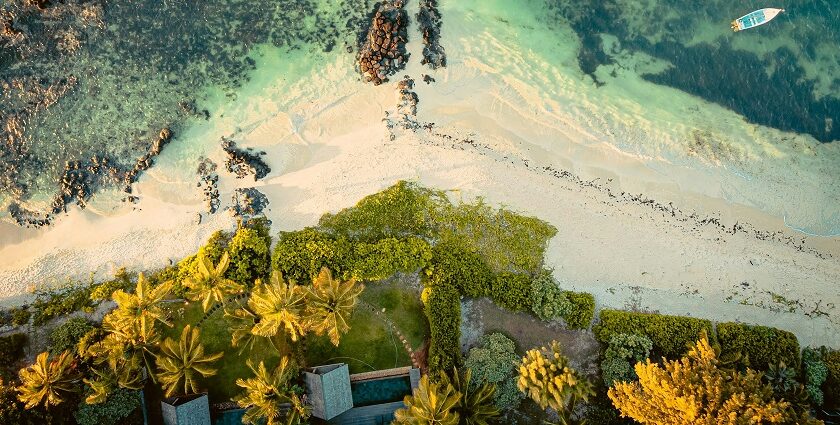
[{"x": 662, "y": 80}]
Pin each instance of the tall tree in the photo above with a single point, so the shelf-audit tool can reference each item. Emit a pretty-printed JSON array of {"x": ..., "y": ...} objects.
[
  {"x": 278, "y": 306},
  {"x": 546, "y": 376},
  {"x": 270, "y": 397},
  {"x": 181, "y": 362},
  {"x": 142, "y": 308},
  {"x": 127, "y": 349},
  {"x": 433, "y": 403},
  {"x": 48, "y": 381},
  {"x": 210, "y": 284},
  {"x": 695, "y": 390},
  {"x": 476, "y": 405},
  {"x": 241, "y": 319},
  {"x": 331, "y": 303}
]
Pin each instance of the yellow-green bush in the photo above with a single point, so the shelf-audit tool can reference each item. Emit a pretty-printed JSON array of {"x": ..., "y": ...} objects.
[
  {"x": 250, "y": 255},
  {"x": 831, "y": 386},
  {"x": 671, "y": 335},
  {"x": 511, "y": 291},
  {"x": 300, "y": 255},
  {"x": 581, "y": 309},
  {"x": 384, "y": 258},
  {"x": 443, "y": 309},
  {"x": 759, "y": 346},
  {"x": 453, "y": 264}
]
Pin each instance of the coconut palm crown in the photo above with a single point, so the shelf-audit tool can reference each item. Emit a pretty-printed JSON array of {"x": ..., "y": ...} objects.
[
  {"x": 431, "y": 404},
  {"x": 143, "y": 307},
  {"x": 210, "y": 284},
  {"x": 331, "y": 303},
  {"x": 269, "y": 397},
  {"x": 48, "y": 381},
  {"x": 278, "y": 305},
  {"x": 180, "y": 363},
  {"x": 476, "y": 405}
]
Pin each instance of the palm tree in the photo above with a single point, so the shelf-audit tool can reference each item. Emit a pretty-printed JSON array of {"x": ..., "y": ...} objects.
[
  {"x": 270, "y": 397},
  {"x": 431, "y": 404},
  {"x": 242, "y": 319},
  {"x": 128, "y": 349},
  {"x": 143, "y": 307},
  {"x": 476, "y": 405},
  {"x": 278, "y": 305},
  {"x": 47, "y": 381},
  {"x": 104, "y": 380},
  {"x": 331, "y": 303},
  {"x": 210, "y": 285},
  {"x": 183, "y": 361}
]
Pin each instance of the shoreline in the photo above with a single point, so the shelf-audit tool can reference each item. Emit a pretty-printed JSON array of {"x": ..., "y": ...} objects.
[{"x": 328, "y": 147}]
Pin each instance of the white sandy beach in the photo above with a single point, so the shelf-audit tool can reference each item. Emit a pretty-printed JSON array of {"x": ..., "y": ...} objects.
[{"x": 328, "y": 147}]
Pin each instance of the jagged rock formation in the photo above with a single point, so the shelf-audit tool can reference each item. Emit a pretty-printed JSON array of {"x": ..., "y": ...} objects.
[
  {"x": 429, "y": 20},
  {"x": 244, "y": 162},
  {"x": 208, "y": 182},
  {"x": 248, "y": 203},
  {"x": 383, "y": 51}
]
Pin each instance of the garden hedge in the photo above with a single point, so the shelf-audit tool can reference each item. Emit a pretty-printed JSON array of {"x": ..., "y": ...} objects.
[
  {"x": 831, "y": 386},
  {"x": 443, "y": 309},
  {"x": 386, "y": 257},
  {"x": 300, "y": 255},
  {"x": 759, "y": 346},
  {"x": 581, "y": 310},
  {"x": 671, "y": 335}
]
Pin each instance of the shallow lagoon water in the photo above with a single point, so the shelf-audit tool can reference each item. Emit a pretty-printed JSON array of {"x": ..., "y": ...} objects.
[{"x": 654, "y": 78}]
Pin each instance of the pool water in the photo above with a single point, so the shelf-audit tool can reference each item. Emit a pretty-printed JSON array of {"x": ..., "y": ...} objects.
[{"x": 378, "y": 391}]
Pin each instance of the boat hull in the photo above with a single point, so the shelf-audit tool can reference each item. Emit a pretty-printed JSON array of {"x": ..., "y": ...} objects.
[{"x": 756, "y": 18}]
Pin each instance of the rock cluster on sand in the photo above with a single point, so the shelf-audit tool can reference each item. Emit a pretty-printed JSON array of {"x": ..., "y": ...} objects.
[
  {"x": 244, "y": 162},
  {"x": 147, "y": 160},
  {"x": 383, "y": 50},
  {"x": 248, "y": 203},
  {"x": 407, "y": 105},
  {"x": 430, "y": 21},
  {"x": 209, "y": 184}
]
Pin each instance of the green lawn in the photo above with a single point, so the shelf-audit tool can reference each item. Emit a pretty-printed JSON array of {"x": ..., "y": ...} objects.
[
  {"x": 215, "y": 335},
  {"x": 370, "y": 344}
]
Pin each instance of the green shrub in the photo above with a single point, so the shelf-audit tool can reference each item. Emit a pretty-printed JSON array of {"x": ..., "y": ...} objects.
[
  {"x": 402, "y": 210},
  {"x": 506, "y": 241},
  {"x": 102, "y": 291},
  {"x": 443, "y": 309},
  {"x": 213, "y": 250},
  {"x": 20, "y": 316},
  {"x": 548, "y": 301},
  {"x": 815, "y": 372},
  {"x": 622, "y": 353},
  {"x": 53, "y": 303},
  {"x": 454, "y": 265},
  {"x": 68, "y": 334},
  {"x": 831, "y": 386},
  {"x": 759, "y": 346},
  {"x": 300, "y": 255},
  {"x": 119, "y": 406},
  {"x": 494, "y": 361},
  {"x": 671, "y": 335},
  {"x": 384, "y": 258},
  {"x": 11, "y": 349},
  {"x": 250, "y": 255},
  {"x": 581, "y": 311},
  {"x": 511, "y": 291}
]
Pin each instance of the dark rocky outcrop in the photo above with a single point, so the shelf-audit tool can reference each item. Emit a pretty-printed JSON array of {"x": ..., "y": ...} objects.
[
  {"x": 429, "y": 20},
  {"x": 147, "y": 160},
  {"x": 248, "y": 203},
  {"x": 244, "y": 162},
  {"x": 208, "y": 182},
  {"x": 382, "y": 52}
]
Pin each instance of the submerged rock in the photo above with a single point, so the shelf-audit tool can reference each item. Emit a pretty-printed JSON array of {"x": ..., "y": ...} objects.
[{"x": 429, "y": 20}]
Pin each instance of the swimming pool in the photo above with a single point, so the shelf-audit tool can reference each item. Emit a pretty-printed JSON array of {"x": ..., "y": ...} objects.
[{"x": 377, "y": 391}]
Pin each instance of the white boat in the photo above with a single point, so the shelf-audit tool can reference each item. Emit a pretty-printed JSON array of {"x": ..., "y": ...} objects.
[{"x": 754, "y": 19}]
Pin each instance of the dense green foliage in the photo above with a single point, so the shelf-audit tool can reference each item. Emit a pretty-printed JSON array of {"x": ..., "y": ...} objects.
[
  {"x": 815, "y": 373},
  {"x": 250, "y": 254},
  {"x": 102, "y": 291},
  {"x": 53, "y": 303},
  {"x": 582, "y": 310},
  {"x": 831, "y": 387},
  {"x": 402, "y": 210},
  {"x": 456, "y": 266},
  {"x": 548, "y": 301},
  {"x": 506, "y": 241},
  {"x": 511, "y": 291},
  {"x": 213, "y": 250},
  {"x": 494, "y": 361},
  {"x": 67, "y": 335},
  {"x": 300, "y": 255},
  {"x": 443, "y": 308},
  {"x": 11, "y": 350},
  {"x": 622, "y": 353},
  {"x": 20, "y": 316},
  {"x": 384, "y": 258},
  {"x": 119, "y": 405},
  {"x": 671, "y": 335},
  {"x": 759, "y": 346}
]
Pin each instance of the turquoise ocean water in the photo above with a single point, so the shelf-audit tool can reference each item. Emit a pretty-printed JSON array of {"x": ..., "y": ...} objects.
[{"x": 101, "y": 77}]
